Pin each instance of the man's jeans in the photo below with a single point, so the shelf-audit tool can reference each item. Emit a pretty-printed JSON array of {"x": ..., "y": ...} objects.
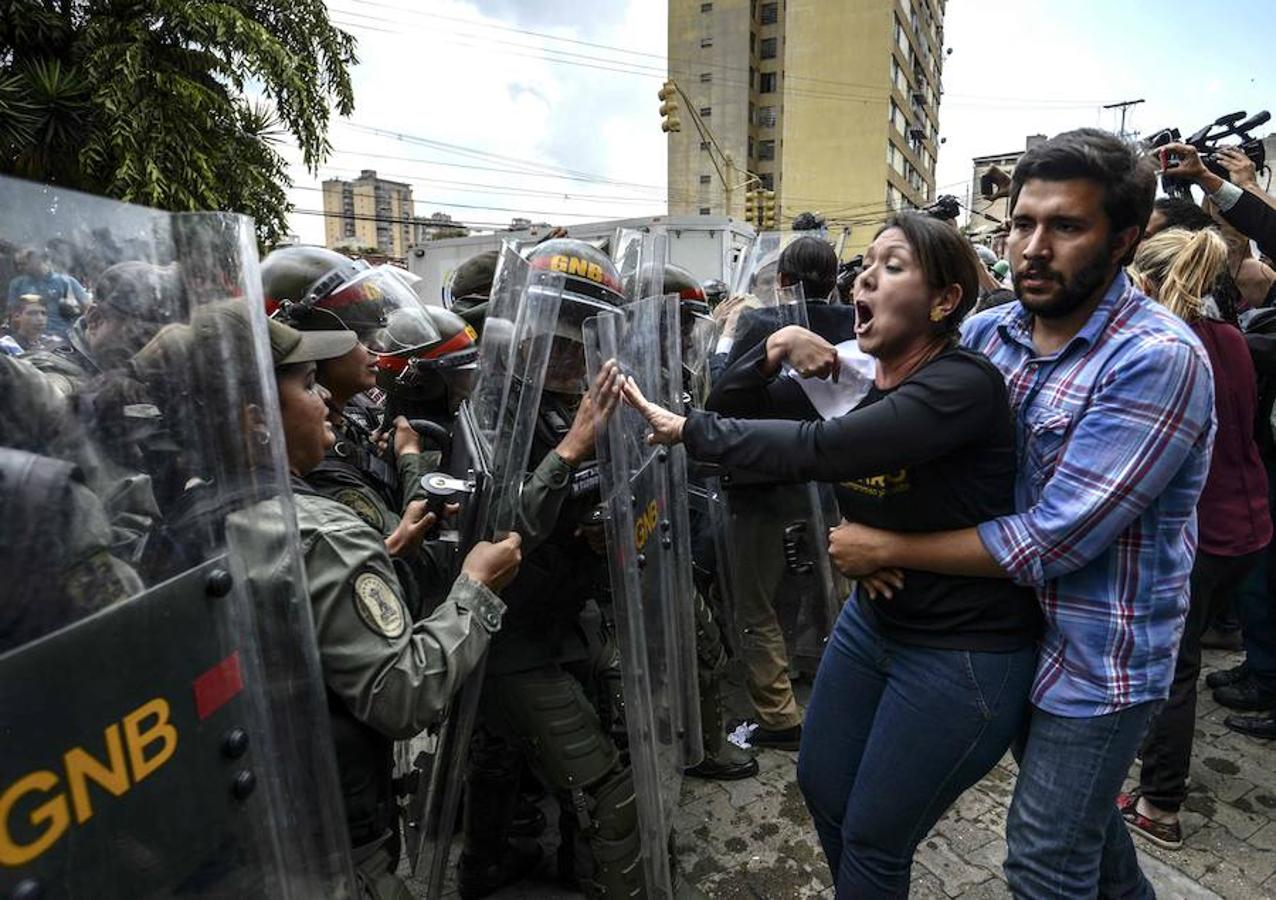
[
  {"x": 1256, "y": 608},
  {"x": 1065, "y": 835},
  {"x": 894, "y": 733}
]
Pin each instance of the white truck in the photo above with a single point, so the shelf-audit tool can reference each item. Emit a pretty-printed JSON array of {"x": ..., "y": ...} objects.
[{"x": 707, "y": 246}]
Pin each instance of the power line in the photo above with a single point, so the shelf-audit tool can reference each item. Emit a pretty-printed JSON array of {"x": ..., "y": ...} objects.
[{"x": 694, "y": 65}]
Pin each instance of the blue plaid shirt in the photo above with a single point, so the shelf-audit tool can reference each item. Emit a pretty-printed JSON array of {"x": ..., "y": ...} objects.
[{"x": 1114, "y": 433}]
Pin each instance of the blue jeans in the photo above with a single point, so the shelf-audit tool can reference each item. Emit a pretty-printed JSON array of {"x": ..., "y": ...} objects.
[
  {"x": 1066, "y": 837},
  {"x": 894, "y": 733}
]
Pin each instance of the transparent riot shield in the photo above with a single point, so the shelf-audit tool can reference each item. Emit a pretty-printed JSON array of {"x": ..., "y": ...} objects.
[
  {"x": 753, "y": 526},
  {"x": 640, "y": 255},
  {"x": 166, "y": 728},
  {"x": 498, "y": 424},
  {"x": 644, "y": 496}
]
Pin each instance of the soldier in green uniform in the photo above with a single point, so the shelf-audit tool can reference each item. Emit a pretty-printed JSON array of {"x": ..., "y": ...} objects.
[
  {"x": 386, "y": 675},
  {"x": 70, "y": 572},
  {"x": 131, "y": 301}
]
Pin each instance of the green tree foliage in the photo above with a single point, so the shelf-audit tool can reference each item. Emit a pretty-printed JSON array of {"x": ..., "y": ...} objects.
[{"x": 152, "y": 101}]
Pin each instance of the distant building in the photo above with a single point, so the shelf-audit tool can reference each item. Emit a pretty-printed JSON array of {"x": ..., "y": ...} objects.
[
  {"x": 368, "y": 212},
  {"x": 438, "y": 226},
  {"x": 834, "y": 104},
  {"x": 987, "y": 215}
]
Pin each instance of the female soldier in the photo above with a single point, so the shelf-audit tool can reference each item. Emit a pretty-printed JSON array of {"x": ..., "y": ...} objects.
[{"x": 387, "y": 676}]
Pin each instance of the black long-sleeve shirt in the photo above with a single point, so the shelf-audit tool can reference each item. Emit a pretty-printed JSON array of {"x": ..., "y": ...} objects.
[
  {"x": 1255, "y": 219},
  {"x": 933, "y": 454}
]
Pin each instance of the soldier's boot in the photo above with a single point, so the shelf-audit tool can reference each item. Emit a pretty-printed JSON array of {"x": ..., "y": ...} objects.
[
  {"x": 490, "y": 861},
  {"x": 601, "y": 849},
  {"x": 723, "y": 760}
]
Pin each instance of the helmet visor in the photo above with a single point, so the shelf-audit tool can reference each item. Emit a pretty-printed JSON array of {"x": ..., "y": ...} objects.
[{"x": 363, "y": 304}]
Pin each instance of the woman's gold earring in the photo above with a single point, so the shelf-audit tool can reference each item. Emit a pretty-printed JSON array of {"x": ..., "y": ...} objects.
[{"x": 936, "y": 314}]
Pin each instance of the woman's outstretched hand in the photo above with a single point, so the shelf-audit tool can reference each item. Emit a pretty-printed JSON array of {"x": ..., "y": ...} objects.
[{"x": 666, "y": 426}]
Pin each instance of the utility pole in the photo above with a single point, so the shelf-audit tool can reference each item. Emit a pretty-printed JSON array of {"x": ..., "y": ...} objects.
[
  {"x": 1124, "y": 105},
  {"x": 728, "y": 186}
]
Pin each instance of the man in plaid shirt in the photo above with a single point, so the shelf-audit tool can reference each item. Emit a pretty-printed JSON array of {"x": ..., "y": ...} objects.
[{"x": 1113, "y": 402}]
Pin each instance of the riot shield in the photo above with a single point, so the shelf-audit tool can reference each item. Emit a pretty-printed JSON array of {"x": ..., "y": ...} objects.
[
  {"x": 807, "y": 592},
  {"x": 644, "y": 496},
  {"x": 497, "y": 424},
  {"x": 640, "y": 256},
  {"x": 166, "y": 729}
]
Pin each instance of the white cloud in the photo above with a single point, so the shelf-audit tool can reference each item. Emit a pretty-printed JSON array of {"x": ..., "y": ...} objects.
[{"x": 423, "y": 73}]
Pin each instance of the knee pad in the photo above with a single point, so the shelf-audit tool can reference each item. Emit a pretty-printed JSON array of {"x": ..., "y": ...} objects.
[
  {"x": 610, "y": 862},
  {"x": 547, "y": 714}
]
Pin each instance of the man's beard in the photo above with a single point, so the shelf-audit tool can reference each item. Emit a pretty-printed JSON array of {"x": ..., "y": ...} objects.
[{"x": 1074, "y": 292}]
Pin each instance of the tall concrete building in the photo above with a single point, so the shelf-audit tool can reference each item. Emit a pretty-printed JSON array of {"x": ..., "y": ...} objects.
[
  {"x": 833, "y": 104},
  {"x": 986, "y": 215},
  {"x": 368, "y": 212}
]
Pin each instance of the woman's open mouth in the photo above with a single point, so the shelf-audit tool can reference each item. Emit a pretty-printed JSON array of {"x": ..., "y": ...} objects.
[{"x": 863, "y": 316}]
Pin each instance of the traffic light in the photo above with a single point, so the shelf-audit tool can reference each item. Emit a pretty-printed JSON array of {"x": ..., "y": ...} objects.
[
  {"x": 751, "y": 206},
  {"x": 669, "y": 108},
  {"x": 767, "y": 213}
]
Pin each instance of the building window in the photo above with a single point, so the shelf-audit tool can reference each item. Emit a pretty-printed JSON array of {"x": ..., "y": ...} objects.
[
  {"x": 766, "y": 117},
  {"x": 704, "y": 179},
  {"x": 770, "y": 48},
  {"x": 766, "y": 150},
  {"x": 706, "y": 77},
  {"x": 766, "y": 181},
  {"x": 770, "y": 13},
  {"x": 704, "y": 211},
  {"x": 750, "y": 147},
  {"x": 752, "y": 76},
  {"x": 767, "y": 83},
  {"x": 706, "y": 7},
  {"x": 706, "y": 112},
  {"x": 753, "y": 42},
  {"x": 706, "y": 42},
  {"x": 897, "y": 118}
]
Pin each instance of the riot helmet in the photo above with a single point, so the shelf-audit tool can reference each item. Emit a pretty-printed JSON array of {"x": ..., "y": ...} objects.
[
  {"x": 592, "y": 287},
  {"x": 316, "y": 289},
  {"x": 470, "y": 283},
  {"x": 715, "y": 291},
  {"x": 425, "y": 355}
]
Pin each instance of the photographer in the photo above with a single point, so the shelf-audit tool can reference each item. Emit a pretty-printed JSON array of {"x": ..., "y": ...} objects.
[{"x": 1244, "y": 209}]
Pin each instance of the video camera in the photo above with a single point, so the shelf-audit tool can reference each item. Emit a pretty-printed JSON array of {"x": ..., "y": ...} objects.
[
  {"x": 945, "y": 207},
  {"x": 1208, "y": 142}
]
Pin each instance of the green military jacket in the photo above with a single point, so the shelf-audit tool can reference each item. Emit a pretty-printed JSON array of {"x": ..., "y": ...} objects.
[{"x": 395, "y": 675}]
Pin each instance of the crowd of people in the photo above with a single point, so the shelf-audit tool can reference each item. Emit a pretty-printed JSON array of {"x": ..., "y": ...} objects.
[{"x": 1053, "y": 475}]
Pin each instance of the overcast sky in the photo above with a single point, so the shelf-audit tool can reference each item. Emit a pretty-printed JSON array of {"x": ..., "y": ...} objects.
[{"x": 488, "y": 118}]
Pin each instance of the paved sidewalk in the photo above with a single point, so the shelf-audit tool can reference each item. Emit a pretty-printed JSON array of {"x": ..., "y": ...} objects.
[{"x": 753, "y": 838}]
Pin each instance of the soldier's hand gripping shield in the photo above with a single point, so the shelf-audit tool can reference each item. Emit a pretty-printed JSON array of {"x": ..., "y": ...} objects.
[
  {"x": 498, "y": 422},
  {"x": 166, "y": 730},
  {"x": 649, "y": 557}
]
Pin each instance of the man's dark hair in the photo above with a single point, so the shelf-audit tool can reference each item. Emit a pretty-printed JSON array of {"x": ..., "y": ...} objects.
[
  {"x": 1127, "y": 178},
  {"x": 945, "y": 258},
  {"x": 811, "y": 261},
  {"x": 1181, "y": 212}
]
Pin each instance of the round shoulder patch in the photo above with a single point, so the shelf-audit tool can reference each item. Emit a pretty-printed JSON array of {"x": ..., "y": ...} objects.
[
  {"x": 378, "y": 606},
  {"x": 361, "y": 506}
]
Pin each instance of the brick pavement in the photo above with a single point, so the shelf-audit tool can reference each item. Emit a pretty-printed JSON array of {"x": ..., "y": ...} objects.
[{"x": 753, "y": 839}]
